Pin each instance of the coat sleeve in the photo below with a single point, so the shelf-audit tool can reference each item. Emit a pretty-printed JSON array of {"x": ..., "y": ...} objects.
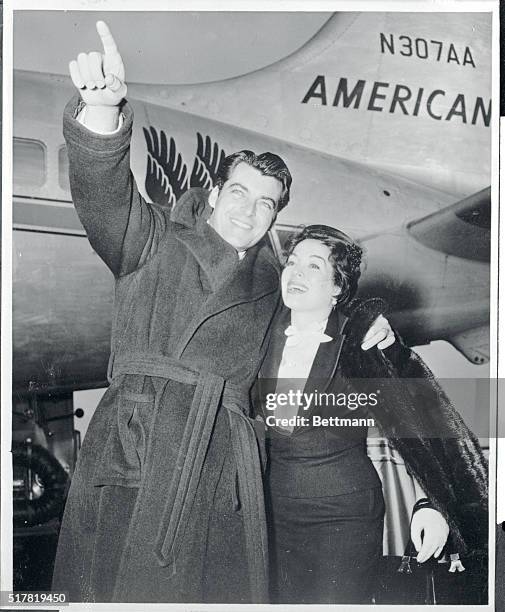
[{"x": 121, "y": 226}]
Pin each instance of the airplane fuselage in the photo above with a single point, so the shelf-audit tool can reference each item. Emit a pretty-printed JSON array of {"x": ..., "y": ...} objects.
[{"x": 371, "y": 151}]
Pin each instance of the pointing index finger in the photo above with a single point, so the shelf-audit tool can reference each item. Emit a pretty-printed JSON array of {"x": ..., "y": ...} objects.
[{"x": 108, "y": 42}]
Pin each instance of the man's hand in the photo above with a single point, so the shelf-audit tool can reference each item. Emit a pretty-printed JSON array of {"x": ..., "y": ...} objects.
[
  {"x": 436, "y": 531},
  {"x": 380, "y": 334},
  {"x": 100, "y": 80}
]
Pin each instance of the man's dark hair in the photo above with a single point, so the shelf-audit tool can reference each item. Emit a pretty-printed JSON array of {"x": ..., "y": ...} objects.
[
  {"x": 345, "y": 256},
  {"x": 269, "y": 164}
]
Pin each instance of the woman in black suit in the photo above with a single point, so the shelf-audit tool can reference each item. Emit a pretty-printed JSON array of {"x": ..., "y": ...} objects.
[{"x": 325, "y": 506}]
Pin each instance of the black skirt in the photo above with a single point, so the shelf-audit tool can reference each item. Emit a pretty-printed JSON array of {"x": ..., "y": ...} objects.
[{"x": 326, "y": 549}]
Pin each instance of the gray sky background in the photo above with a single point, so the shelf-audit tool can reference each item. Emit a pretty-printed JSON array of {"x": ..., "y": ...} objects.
[{"x": 214, "y": 45}]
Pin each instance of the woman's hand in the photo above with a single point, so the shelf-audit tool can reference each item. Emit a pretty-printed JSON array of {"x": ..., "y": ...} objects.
[
  {"x": 380, "y": 334},
  {"x": 429, "y": 532}
]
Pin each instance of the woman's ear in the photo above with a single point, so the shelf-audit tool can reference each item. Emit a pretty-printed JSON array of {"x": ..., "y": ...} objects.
[{"x": 337, "y": 292}]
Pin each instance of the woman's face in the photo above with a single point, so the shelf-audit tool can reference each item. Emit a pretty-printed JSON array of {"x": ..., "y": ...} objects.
[{"x": 307, "y": 279}]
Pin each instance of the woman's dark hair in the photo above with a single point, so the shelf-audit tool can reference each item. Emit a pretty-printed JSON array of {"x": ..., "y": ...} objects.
[
  {"x": 269, "y": 164},
  {"x": 345, "y": 256}
]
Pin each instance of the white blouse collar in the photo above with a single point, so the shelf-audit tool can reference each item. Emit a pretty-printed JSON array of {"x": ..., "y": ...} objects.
[{"x": 313, "y": 332}]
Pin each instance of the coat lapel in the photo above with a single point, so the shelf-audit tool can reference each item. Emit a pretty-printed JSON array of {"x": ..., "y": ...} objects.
[
  {"x": 231, "y": 281},
  {"x": 216, "y": 258},
  {"x": 325, "y": 364},
  {"x": 270, "y": 366},
  {"x": 269, "y": 370},
  {"x": 328, "y": 354}
]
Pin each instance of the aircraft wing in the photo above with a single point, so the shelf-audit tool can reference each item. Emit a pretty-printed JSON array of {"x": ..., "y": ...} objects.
[
  {"x": 462, "y": 229},
  {"x": 434, "y": 273},
  {"x": 473, "y": 343}
]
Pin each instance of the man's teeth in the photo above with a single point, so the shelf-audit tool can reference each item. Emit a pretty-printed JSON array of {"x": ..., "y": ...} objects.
[
  {"x": 296, "y": 289},
  {"x": 241, "y": 224}
]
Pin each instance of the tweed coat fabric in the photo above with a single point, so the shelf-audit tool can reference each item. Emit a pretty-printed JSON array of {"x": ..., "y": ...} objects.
[{"x": 184, "y": 304}]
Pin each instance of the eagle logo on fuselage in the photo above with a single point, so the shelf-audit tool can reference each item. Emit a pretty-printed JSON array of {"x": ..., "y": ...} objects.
[{"x": 167, "y": 174}]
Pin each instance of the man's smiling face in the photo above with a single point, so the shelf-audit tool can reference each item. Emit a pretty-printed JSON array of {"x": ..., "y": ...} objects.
[{"x": 245, "y": 206}]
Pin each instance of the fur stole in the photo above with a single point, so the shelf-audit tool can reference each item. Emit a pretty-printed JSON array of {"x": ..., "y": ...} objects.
[{"x": 450, "y": 467}]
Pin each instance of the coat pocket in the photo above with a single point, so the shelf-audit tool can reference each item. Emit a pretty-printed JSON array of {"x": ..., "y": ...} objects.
[{"x": 125, "y": 450}]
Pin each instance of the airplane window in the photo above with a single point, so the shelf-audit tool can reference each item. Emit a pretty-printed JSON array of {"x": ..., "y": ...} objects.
[
  {"x": 63, "y": 169},
  {"x": 28, "y": 163},
  {"x": 282, "y": 234}
]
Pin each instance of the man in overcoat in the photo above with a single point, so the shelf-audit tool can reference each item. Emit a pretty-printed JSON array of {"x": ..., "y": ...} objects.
[{"x": 166, "y": 503}]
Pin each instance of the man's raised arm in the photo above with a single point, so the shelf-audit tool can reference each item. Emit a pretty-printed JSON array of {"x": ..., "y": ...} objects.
[{"x": 121, "y": 227}]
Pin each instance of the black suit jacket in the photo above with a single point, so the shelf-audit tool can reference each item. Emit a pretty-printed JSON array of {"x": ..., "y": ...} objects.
[{"x": 315, "y": 460}]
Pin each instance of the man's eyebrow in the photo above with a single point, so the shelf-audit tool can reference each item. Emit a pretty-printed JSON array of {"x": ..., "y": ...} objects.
[
  {"x": 271, "y": 200},
  {"x": 239, "y": 185},
  {"x": 319, "y": 257}
]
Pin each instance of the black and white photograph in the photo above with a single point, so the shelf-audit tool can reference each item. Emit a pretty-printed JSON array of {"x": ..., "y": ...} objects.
[{"x": 251, "y": 264}]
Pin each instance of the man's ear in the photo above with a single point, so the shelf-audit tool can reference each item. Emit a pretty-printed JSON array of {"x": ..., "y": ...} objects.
[{"x": 213, "y": 196}]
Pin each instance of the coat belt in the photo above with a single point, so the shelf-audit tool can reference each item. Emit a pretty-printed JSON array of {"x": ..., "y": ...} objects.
[{"x": 211, "y": 391}]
